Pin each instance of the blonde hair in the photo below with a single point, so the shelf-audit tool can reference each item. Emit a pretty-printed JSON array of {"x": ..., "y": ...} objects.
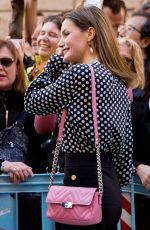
[
  {"x": 104, "y": 41},
  {"x": 137, "y": 58},
  {"x": 19, "y": 84}
]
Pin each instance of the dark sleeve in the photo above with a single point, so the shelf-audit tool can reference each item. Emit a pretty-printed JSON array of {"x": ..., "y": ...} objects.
[
  {"x": 136, "y": 163},
  {"x": 28, "y": 62},
  {"x": 35, "y": 157},
  {"x": 141, "y": 131},
  {"x": 1, "y": 161}
]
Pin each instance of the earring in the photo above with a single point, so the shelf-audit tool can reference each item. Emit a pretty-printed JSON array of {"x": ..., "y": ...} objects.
[{"x": 91, "y": 49}]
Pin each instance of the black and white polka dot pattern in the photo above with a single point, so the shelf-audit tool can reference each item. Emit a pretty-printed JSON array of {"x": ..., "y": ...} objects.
[{"x": 61, "y": 86}]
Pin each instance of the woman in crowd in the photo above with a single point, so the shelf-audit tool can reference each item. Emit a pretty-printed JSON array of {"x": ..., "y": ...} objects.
[
  {"x": 88, "y": 38},
  {"x": 47, "y": 42},
  {"x": 132, "y": 53},
  {"x": 12, "y": 88}
]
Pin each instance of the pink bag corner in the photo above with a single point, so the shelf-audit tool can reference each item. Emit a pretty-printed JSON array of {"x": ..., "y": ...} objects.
[{"x": 79, "y": 206}]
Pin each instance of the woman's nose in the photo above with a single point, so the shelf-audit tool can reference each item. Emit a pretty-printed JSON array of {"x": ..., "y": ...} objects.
[
  {"x": 121, "y": 31},
  {"x": 45, "y": 36},
  {"x": 61, "y": 43},
  {"x": 1, "y": 66}
]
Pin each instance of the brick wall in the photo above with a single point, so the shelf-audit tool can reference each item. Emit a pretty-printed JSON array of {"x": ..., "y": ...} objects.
[{"x": 48, "y": 7}]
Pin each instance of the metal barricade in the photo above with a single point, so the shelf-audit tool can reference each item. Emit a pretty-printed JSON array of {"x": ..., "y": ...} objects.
[{"x": 39, "y": 183}]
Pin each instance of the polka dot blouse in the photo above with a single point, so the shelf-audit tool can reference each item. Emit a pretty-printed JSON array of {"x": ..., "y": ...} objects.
[{"x": 62, "y": 86}]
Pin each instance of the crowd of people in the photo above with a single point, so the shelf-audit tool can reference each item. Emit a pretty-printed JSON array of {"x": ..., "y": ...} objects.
[{"x": 48, "y": 71}]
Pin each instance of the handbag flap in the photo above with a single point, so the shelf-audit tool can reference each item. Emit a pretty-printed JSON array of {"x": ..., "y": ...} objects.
[{"x": 75, "y": 195}]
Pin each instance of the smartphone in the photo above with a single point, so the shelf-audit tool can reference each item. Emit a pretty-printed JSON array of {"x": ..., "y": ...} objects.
[{"x": 98, "y": 3}]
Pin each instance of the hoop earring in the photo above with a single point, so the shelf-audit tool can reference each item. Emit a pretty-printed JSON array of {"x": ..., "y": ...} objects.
[{"x": 91, "y": 49}]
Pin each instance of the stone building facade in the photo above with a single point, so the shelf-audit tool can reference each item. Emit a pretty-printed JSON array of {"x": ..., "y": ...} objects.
[{"x": 49, "y": 7}]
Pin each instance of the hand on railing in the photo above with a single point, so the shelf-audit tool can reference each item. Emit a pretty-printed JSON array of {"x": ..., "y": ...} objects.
[
  {"x": 18, "y": 171},
  {"x": 143, "y": 171}
]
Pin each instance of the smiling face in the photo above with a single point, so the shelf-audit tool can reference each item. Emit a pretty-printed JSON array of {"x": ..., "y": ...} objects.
[
  {"x": 7, "y": 74},
  {"x": 74, "y": 43},
  {"x": 48, "y": 40}
]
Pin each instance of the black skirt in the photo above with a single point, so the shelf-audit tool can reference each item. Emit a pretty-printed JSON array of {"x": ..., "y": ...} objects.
[{"x": 81, "y": 171}]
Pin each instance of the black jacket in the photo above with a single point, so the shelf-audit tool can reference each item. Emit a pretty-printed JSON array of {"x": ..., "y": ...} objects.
[
  {"x": 141, "y": 130},
  {"x": 13, "y": 102}
]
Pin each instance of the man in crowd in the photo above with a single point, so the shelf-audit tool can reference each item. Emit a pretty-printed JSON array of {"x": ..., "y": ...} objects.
[{"x": 116, "y": 12}]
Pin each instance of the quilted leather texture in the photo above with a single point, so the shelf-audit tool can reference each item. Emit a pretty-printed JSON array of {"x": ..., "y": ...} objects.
[{"x": 86, "y": 205}]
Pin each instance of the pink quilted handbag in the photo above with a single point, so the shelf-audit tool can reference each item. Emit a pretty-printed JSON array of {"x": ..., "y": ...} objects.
[{"x": 74, "y": 205}]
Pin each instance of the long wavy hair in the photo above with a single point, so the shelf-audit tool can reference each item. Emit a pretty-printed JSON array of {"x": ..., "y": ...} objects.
[
  {"x": 19, "y": 83},
  {"x": 104, "y": 42},
  {"x": 137, "y": 59}
]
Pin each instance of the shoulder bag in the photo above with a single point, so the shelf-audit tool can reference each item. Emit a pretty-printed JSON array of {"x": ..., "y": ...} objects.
[
  {"x": 76, "y": 205},
  {"x": 14, "y": 141}
]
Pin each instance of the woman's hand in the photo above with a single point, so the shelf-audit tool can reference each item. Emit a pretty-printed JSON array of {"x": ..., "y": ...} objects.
[
  {"x": 143, "y": 171},
  {"x": 18, "y": 171},
  {"x": 23, "y": 47},
  {"x": 59, "y": 51}
]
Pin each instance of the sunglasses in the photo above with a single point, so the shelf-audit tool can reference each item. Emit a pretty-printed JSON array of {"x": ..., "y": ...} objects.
[{"x": 6, "y": 62}]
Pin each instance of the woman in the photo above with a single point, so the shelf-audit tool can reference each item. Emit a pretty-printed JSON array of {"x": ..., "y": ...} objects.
[
  {"x": 47, "y": 42},
  {"x": 12, "y": 88},
  {"x": 87, "y": 37},
  {"x": 132, "y": 53}
]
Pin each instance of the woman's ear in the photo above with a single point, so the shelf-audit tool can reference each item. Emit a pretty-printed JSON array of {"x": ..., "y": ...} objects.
[
  {"x": 90, "y": 33},
  {"x": 145, "y": 42}
]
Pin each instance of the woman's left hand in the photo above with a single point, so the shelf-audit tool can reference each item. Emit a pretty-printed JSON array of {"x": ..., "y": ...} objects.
[
  {"x": 143, "y": 171},
  {"x": 18, "y": 171}
]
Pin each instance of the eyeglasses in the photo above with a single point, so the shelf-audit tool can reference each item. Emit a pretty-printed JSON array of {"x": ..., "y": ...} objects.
[
  {"x": 131, "y": 28},
  {"x": 6, "y": 61}
]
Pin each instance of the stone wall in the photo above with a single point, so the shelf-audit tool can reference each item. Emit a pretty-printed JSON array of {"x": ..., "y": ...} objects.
[{"x": 49, "y": 7}]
